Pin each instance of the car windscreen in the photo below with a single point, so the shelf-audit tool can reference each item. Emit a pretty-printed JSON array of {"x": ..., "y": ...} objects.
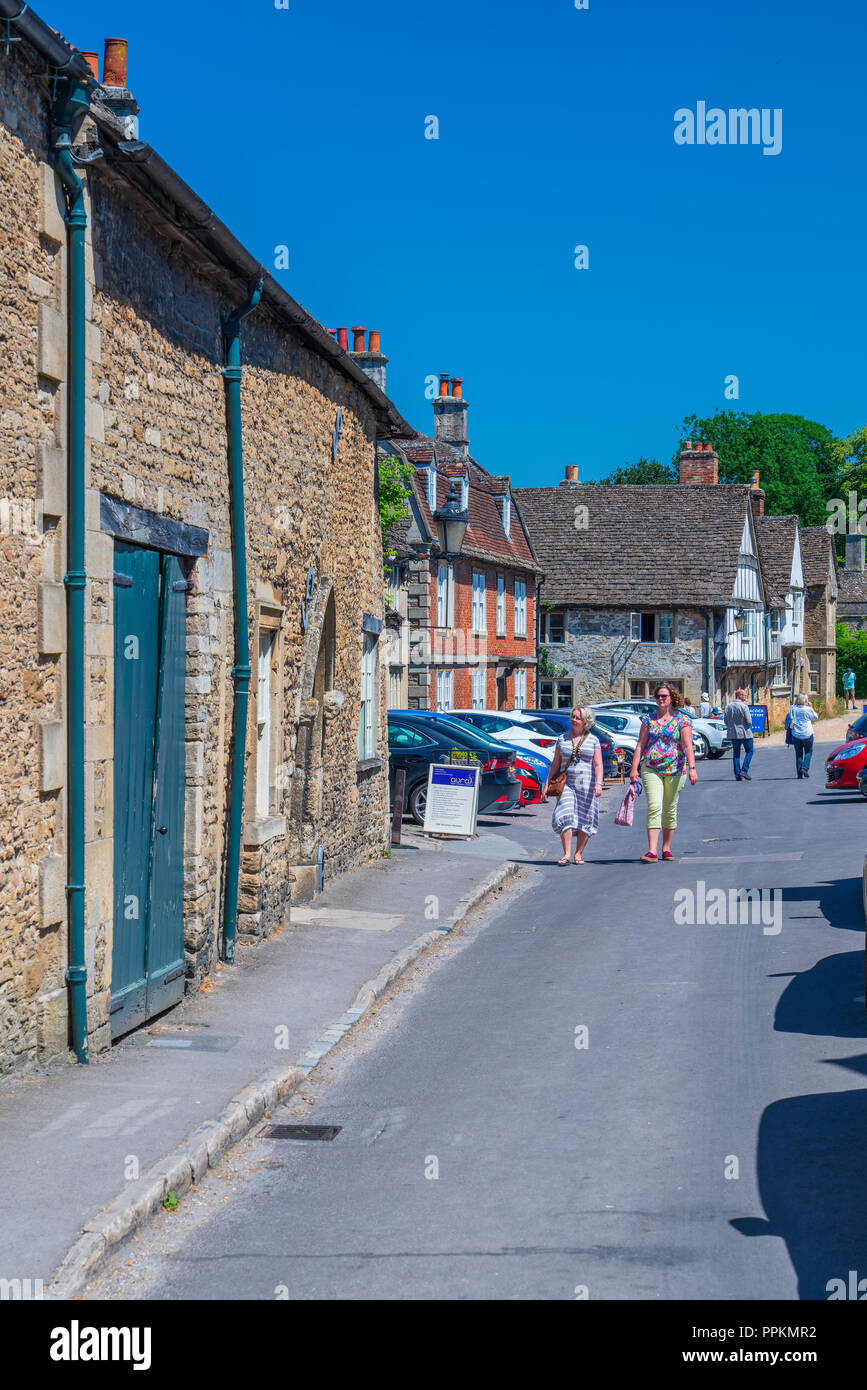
[{"x": 540, "y": 726}]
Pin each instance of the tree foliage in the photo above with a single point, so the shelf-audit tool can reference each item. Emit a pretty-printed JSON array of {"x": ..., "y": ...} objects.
[
  {"x": 394, "y": 484},
  {"x": 851, "y": 651},
  {"x": 642, "y": 472},
  {"x": 798, "y": 461}
]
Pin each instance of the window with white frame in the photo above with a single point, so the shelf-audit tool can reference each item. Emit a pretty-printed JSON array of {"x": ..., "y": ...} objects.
[
  {"x": 478, "y": 690},
  {"x": 501, "y": 605},
  {"x": 264, "y": 722},
  {"x": 798, "y": 612},
  {"x": 444, "y": 690},
  {"x": 555, "y": 625},
  {"x": 442, "y": 593},
  {"x": 521, "y": 608},
  {"x": 367, "y": 722},
  {"x": 505, "y": 506},
  {"x": 480, "y": 621},
  {"x": 465, "y": 494},
  {"x": 395, "y": 688},
  {"x": 651, "y": 627},
  {"x": 520, "y": 689},
  {"x": 814, "y": 673},
  {"x": 665, "y": 627},
  {"x": 431, "y": 485}
]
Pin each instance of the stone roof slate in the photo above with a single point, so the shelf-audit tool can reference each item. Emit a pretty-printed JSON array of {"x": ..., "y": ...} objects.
[
  {"x": 776, "y": 535},
  {"x": 659, "y": 546},
  {"x": 817, "y": 550}
]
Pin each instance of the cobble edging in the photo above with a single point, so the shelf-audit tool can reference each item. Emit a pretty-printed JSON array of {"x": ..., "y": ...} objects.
[{"x": 186, "y": 1165}]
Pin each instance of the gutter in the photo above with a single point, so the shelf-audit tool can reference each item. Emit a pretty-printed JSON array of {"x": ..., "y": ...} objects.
[
  {"x": 72, "y": 100},
  {"x": 68, "y": 61},
  {"x": 241, "y": 669}
]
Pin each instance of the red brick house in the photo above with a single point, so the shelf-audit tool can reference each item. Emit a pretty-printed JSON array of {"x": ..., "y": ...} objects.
[{"x": 462, "y": 627}]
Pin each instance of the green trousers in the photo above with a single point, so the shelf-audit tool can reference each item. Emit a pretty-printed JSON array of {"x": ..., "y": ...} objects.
[{"x": 662, "y": 793}]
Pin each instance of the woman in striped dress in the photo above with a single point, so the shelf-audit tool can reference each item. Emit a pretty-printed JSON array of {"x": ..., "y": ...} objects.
[{"x": 577, "y": 808}]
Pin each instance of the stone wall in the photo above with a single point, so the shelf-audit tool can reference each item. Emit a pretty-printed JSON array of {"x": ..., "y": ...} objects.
[
  {"x": 601, "y": 661},
  {"x": 156, "y": 438}
]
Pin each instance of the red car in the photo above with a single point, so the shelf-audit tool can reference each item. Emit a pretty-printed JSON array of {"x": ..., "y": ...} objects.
[
  {"x": 531, "y": 787},
  {"x": 843, "y": 765}
]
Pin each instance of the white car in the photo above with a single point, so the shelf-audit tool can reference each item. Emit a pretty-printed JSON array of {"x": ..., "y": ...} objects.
[
  {"x": 528, "y": 731},
  {"x": 624, "y": 725}
]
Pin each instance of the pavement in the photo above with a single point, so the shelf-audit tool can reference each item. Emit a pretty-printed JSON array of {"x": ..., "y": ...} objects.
[
  {"x": 90, "y": 1152},
  {"x": 600, "y": 1091}
]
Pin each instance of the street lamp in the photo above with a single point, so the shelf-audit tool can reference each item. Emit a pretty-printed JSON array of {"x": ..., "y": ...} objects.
[{"x": 452, "y": 520}]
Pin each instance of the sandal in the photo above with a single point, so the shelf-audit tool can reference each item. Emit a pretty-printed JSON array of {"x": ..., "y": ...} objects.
[
  {"x": 563, "y": 861},
  {"x": 577, "y": 859},
  {"x": 648, "y": 858}
]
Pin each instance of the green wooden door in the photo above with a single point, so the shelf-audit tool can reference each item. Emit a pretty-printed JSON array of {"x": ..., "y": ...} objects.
[{"x": 149, "y": 626}]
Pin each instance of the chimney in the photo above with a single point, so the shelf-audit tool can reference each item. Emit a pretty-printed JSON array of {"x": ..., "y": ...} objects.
[
  {"x": 92, "y": 60},
  {"x": 854, "y": 555},
  {"x": 343, "y": 339},
  {"x": 757, "y": 497},
  {"x": 372, "y": 361},
  {"x": 571, "y": 474},
  {"x": 699, "y": 463},
  {"x": 115, "y": 93},
  {"x": 450, "y": 415}
]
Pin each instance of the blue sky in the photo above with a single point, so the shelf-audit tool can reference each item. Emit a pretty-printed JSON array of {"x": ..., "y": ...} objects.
[{"x": 305, "y": 127}]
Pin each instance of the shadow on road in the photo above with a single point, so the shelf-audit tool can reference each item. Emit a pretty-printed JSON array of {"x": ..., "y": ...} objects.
[
  {"x": 812, "y": 1149},
  {"x": 840, "y": 903}
]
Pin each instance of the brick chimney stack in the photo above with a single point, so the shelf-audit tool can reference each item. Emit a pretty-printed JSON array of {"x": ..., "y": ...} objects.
[
  {"x": 854, "y": 555},
  {"x": 371, "y": 360},
  {"x": 757, "y": 497},
  {"x": 699, "y": 464},
  {"x": 450, "y": 415}
]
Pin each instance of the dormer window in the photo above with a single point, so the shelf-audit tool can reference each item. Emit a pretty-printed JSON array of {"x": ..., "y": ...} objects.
[
  {"x": 431, "y": 485},
  {"x": 505, "y": 506},
  {"x": 465, "y": 494}
]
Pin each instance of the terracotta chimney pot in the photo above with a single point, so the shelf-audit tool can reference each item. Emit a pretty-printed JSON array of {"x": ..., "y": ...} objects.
[
  {"x": 374, "y": 340},
  {"x": 114, "y": 63},
  {"x": 457, "y": 383},
  {"x": 343, "y": 338},
  {"x": 92, "y": 60},
  {"x": 444, "y": 383},
  {"x": 571, "y": 472},
  {"x": 358, "y": 339}
]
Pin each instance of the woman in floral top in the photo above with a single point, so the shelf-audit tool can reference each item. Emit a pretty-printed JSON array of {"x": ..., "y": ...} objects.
[{"x": 666, "y": 743}]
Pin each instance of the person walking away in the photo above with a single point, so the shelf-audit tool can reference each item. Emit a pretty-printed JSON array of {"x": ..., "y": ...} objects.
[
  {"x": 577, "y": 808},
  {"x": 665, "y": 742},
  {"x": 689, "y": 708},
  {"x": 800, "y": 720},
  {"x": 704, "y": 706},
  {"x": 849, "y": 686},
  {"x": 739, "y": 728}
]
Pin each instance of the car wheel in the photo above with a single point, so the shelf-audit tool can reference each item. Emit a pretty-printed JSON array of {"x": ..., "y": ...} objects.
[
  {"x": 699, "y": 745},
  {"x": 716, "y": 752},
  {"x": 417, "y": 801}
]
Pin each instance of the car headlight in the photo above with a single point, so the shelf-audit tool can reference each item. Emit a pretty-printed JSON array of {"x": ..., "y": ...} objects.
[{"x": 848, "y": 753}]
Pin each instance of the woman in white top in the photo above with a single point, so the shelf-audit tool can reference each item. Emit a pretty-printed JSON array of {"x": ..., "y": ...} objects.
[
  {"x": 800, "y": 720},
  {"x": 577, "y": 809}
]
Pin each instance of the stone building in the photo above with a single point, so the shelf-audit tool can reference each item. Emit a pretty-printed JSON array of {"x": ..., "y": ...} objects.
[
  {"x": 650, "y": 583},
  {"x": 780, "y": 548},
  {"x": 464, "y": 631},
  {"x": 122, "y": 870},
  {"x": 852, "y": 600},
  {"x": 820, "y": 615}
]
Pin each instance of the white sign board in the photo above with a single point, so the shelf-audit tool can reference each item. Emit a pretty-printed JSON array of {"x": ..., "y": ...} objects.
[{"x": 452, "y": 800}]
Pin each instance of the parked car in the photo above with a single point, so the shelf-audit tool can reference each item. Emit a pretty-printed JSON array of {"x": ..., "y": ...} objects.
[
  {"x": 843, "y": 765},
  {"x": 536, "y": 758},
  {"x": 414, "y": 744},
  {"x": 531, "y": 781},
  {"x": 709, "y": 738},
  {"x": 624, "y": 729},
  {"x": 517, "y": 729},
  {"x": 857, "y": 729},
  {"x": 561, "y": 720}
]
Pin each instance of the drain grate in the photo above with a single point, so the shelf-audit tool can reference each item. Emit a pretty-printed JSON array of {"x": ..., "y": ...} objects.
[{"x": 300, "y": 1131}]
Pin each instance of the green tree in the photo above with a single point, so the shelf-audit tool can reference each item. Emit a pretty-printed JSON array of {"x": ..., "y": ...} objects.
[
  {"x": 394, "y": 485},
  {"x": 850, "y": 456},
  {"x": 797, "y": 460},
  {"x": 851, "y": 651},
  {"x": 644, "y": 471}
]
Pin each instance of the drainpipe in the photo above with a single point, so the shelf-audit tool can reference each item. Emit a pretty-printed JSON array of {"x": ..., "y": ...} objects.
[
  {"x": 708, "y": 668},
  {"x": 71, "y": 101},
  {"x": 241, "y": 668}
]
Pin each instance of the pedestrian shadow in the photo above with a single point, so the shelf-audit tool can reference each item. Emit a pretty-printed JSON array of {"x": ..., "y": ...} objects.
[
  {"x": 841, "y": 903},
  {"x": 812, "y": 1157}
]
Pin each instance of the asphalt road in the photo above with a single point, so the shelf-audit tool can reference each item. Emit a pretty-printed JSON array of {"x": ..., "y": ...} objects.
[{"x": 706, "y": 1138}]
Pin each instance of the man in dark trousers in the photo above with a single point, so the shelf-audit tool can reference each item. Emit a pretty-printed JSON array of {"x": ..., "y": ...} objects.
[{"x": 739, "y": 727}]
